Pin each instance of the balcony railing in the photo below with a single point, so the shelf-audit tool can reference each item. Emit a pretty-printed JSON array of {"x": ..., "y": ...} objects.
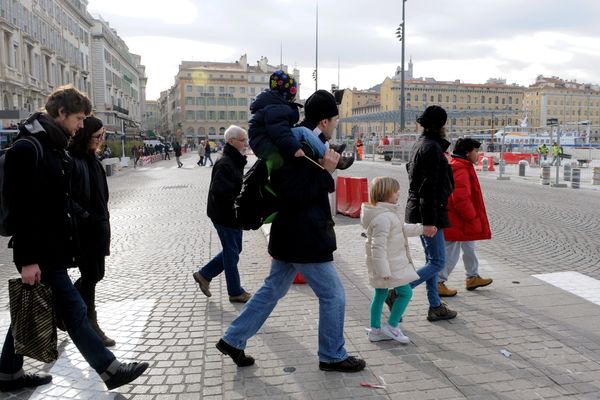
[{"x": 120, "y": 109}]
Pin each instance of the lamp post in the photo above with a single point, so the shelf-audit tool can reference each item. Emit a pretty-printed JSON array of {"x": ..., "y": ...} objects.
[{"x": 400, "y": 34}]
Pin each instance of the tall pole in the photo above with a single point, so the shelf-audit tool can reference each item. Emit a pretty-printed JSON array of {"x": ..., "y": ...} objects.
[
  {"x": 281, "y": 55},
  {"x": 317, "y": 51},
  {"x": 402, "y": 122}
]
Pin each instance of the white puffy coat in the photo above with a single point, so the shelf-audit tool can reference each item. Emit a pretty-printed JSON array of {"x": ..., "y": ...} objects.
[{"x": 386, "y": 246}]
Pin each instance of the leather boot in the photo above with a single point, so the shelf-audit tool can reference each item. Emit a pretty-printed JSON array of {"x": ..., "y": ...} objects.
[
  {"x": 345, "y": 162},
  {"x": 108, "y": 342}
]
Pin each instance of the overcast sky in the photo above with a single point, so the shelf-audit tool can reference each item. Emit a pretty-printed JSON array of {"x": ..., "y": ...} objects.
[{"x": 470, "y": 40}]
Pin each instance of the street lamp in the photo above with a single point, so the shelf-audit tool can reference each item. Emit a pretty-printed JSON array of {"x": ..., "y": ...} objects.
[{"x": 400, "y": 34}]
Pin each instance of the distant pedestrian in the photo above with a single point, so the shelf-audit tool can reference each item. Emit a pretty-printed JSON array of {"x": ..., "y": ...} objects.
[
  {"x": 201, "y": 153},
  {"x": 90, "y": 196},
  {"x": 430, "y": 185},
  {"x": 555, "y": 152},
  {"x": 468, "y": 218},
  {"x": 225, "y": 185},
  {"x": 388, "y": 259},
  {"x": 167, "y": 151},
  {"x": 207, "y": 151},
  {"x": 177, "y": 150}
]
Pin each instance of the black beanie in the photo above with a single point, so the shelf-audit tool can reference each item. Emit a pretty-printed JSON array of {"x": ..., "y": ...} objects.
[
  {"x": 434, "y": 117},
  {"x": 319, "y": 106}
]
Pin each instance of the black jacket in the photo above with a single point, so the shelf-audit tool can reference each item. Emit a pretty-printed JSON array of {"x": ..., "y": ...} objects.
[
  {"x": 303, "y": 230},
  {"x": 90, "y": 195},
  {"x": 271, "y": 123},
  {"x": 177, "y": 149},
  {"x": 430, "y": 182},
  {"x": 225, "y": 185},
  {"x": 38, "y": 197}
]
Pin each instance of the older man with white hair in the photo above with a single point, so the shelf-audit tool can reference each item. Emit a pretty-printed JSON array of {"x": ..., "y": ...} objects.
[{"x": 225, "y": 185}]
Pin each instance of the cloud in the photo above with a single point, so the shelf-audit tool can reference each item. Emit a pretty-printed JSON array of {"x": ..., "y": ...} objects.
[{"x": 459, "y": 39}]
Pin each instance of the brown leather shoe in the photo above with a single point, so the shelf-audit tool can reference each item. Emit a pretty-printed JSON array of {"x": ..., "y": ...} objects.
[
  {"x": 203, "y": 283},
  {"x": 108, "y": 342},
  {"x": 445, "y": 291},
  {"x": 476, "y": 281},
  {"x": 242, "y": 298}
]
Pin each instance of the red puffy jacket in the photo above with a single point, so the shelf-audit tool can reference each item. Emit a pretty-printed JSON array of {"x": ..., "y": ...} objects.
[{"x": 466, "y": 210}]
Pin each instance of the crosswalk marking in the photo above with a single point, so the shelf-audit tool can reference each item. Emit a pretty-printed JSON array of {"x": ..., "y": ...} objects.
[{"x": 574, "y": 282}]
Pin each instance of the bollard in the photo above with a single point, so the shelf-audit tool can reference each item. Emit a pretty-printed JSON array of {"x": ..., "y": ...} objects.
[
  {"x": 545, "y": 175},
  {"x": 484, "y": 164},
  {"x": 522, "y": 165},
  {"x": 108, "y": 169},
  {"x": 575, "y": 178},
  {"x": 596, "y": 176},
  {"x": 567, "y": 172}
]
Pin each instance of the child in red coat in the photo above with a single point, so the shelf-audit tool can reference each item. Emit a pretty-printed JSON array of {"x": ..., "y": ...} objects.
[{"x": 468, "y": 219}]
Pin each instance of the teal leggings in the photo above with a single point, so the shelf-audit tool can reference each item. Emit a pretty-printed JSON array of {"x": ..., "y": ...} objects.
[{"x": 404, "y": 295}]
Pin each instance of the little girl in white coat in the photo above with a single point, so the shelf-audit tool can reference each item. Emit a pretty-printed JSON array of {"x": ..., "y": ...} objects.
[{"x": 388, "y": 257}]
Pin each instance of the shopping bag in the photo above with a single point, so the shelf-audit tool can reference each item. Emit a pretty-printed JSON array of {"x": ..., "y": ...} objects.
[{"x": 33, "y": 321}]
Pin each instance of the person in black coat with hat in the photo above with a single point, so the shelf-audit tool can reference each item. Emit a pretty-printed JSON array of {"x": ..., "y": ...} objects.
[
  {"x": 430, "y": 184},
  {"x": 90, "y": 195}
]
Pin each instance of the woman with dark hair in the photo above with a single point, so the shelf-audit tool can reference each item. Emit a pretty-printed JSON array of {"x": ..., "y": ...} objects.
[{"x": 90, "y": 195}]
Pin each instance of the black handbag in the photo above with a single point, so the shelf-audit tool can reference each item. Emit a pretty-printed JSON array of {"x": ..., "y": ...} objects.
[{"x": 33, "y": 320}]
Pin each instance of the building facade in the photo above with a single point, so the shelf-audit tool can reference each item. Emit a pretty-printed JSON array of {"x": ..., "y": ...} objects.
[
  {"x": 209, "y": 96},
  {"x": 574, "y": 106},
  {"x": 119, "y": 81},
  {"x": 43, "y": 44},
  {"x": 359, "y": 102}
]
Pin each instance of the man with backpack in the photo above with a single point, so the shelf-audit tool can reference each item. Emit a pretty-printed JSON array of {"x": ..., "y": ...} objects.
[
  {"x": 302, "y": 239},
  {"x": 37, "y": 192}
]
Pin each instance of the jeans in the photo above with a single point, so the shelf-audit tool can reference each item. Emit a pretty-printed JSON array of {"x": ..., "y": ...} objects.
[
  {"x": 207, "y": 158},
  {"x": 435, "y": 260},
  {"x": 304, "y": 134},
  {"x": 71, "y": 309},
  {"x": 226, "y": 260},
  {"x": 325, "y": 283},
  {"x": 453, "y": 253}
]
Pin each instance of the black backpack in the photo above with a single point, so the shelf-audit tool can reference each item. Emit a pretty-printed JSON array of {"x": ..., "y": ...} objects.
[
  {"x": 257, "y": 203},
  {"x": 4, "y": 211}
]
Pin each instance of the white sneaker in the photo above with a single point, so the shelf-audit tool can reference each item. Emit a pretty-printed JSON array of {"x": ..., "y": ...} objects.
[
  {"x": 394, "y": 333},
  {"x": 376, "y": 335}
]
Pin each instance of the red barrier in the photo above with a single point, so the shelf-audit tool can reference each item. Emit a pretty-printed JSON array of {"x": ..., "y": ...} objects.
[
  {"x": 514, "y": 158},
  {"x": 490, "y": 163},
  {"x": 341, "y": 195},
  {"x": 299, "y": 279},
  {"x": 358, "y": 193}
]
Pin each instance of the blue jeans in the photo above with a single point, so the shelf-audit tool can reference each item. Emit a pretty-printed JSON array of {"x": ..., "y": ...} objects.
[
  {"x": 323, "y": 280},
  {"x": 435, "y": 260},
  {"x": 304, "y": 134},
  {"x": 227, "y": 259},
  {"x": 68, "y": 306}
]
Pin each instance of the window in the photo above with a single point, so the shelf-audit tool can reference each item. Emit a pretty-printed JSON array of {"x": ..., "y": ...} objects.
[
  {"x": 189, "y": 101},
  {"x": 221, "y": 89},
  {"x": 416, "y": 97},
  {"x": 200, "y": 89},
  {"x": 212, "y": 116},
  {"x": 211, "y": 89},
  {"x": 242, "y": 90},
  {"x": 232, "y": 101},
  {"x": 211, "y": 101},
  {"x": 440, "y": 98},
  {"x": 201, "y": 115},
  {"x": 232, "y": 89},
  {"x": 221, "y": 115},
  {"x": 188, "y": 88},
  {"x": 200, "y": 101},
  {"x": 221, "y": 101},
  {"x": 189, "y": 115},
  {"x": 253, "y": 90},
  {"x": 212, "y": 130},
  {"x": 232, "y": 115},
  {"x": 243, "y": 115}
]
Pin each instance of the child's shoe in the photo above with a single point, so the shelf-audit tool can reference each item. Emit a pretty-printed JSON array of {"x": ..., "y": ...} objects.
[
  {"x": 338, "y": 148},
  {"x": 376, "y": 335},
  {"x": 345, "y": 162},
  {"x": 394, "y": 333}
]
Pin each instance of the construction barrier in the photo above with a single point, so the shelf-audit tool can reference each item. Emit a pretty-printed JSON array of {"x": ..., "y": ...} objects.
[
  {"x": 299, "y": 279},
  {"x": 341, "y": 194},
  {"x": 567, "y": 172},
  {"x": 485, "y": 163},
  {"x": 514, "y": 158},
  {"x": 596, "y": 176},
  {"x": 351, "y": 193}
]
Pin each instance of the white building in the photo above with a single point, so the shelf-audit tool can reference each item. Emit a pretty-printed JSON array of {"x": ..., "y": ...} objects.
[
  {"x": 119, "y": 81},
  {"x": 43, "y": 44}
]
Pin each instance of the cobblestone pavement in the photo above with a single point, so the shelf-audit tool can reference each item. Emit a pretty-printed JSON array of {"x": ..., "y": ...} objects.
[{"x": 149, "y": 302}]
